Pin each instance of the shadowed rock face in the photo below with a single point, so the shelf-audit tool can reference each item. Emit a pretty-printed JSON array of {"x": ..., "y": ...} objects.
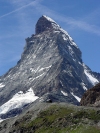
[
  {"x": 42, "y": 25},
  {"x": 91, "y": 97},
  {"x": 51, "y": 65}
]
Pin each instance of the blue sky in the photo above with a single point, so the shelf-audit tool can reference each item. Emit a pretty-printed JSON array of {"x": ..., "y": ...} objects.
[{"x": 80, "y": 18}]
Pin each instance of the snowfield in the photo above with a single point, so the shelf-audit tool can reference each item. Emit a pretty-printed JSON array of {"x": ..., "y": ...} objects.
[{"x": 18, "y": 101}]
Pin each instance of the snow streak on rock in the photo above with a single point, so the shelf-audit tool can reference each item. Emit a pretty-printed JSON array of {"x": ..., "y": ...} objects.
[
  {"x": 84, "y": 87},
  {"x": 89, "y": 76},
  {"x": 64, "y": 93},
  {"x": 1, "y": 85},
  {"x": 66, "y": 36},
  {"x": 78, "y": 99}
]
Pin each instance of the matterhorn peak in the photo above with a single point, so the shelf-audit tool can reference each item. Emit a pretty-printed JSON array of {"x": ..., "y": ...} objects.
[
  {"x": 50, "y": 67},
  {"x": 49, "y": 19},
  {"x": 44, "y": 23}
]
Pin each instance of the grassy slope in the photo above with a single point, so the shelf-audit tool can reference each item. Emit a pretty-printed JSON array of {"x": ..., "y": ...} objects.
[{"x": 60, "y": 119}]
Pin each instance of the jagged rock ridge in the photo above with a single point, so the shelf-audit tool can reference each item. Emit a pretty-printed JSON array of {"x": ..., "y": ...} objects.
[{"x": 51, "y": 65}]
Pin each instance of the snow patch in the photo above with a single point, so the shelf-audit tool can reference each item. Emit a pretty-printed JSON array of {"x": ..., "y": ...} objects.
[
  {"x": 78, "y": 99},
  {"x": 93, "y": 80},
  {"x": 65, "y": 37},
  {"x": 1, "y": 85},
  {"x": 39, "y": 69},
  {"x": 31, "y": 41},
  {"x": 18, "y": 101},
  {"x": 34, "y": 70},
  {"x": 61, "y": 83},
  {"x": 38, "y": 76},
  {"x": 45, "y": 68},
  {"x": 1, "y": 120},
  {"x": 90, "y": 77},
  {"x": 54, "y": 24},
  {"x": 72, "y": 42},
  {"x": 56, "y": 31},
  {"x": 49, "y": 19},
  {"x": 74, "y": 60},
  {"x": 84, "y": 87},
  {"x": 79, "y": 62},
  {"x": 65, "y": 32},
  {"x": 70, "y": 50},
  {"x": 41, "y": 99},
  {"x": 64, "y": 93}
]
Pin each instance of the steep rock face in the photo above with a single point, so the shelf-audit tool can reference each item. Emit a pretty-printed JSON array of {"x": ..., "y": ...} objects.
[
  {"x": 51, "y": 66},
  {"x": 42, "y": 25},
  {"x": 91, "y": 97}
]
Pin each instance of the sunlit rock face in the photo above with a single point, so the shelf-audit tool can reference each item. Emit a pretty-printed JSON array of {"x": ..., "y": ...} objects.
[{"x": 51, "y": 65}]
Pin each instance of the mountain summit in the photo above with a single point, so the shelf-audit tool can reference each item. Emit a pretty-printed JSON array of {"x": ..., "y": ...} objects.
[
  {"x": 45, "y": 23},
  {"x": 50, "y": 68}
]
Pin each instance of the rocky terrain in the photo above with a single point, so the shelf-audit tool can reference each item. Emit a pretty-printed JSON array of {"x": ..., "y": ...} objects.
[{"x": 91, "y": 97}]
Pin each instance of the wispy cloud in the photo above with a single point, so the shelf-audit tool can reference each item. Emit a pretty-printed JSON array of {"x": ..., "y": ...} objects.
[
  {"x": 85, "y": 26},
  {"x": 81, "y": 24},
  {"x": 22, "y": 7},
  {"x": 93, "y": 16}
]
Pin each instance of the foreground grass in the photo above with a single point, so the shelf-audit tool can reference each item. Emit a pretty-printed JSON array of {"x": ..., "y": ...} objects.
[{"x": 59, "y": 119}]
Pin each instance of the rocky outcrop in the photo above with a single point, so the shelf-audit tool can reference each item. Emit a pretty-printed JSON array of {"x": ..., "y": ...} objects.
[{"x": 91, "y": 97}]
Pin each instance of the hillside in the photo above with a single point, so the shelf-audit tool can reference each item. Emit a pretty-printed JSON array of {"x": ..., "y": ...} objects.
[{"x": 54, "y": 118}]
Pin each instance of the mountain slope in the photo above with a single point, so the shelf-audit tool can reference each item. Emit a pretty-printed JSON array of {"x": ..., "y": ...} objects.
[{"x": 51, "y": 65}]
